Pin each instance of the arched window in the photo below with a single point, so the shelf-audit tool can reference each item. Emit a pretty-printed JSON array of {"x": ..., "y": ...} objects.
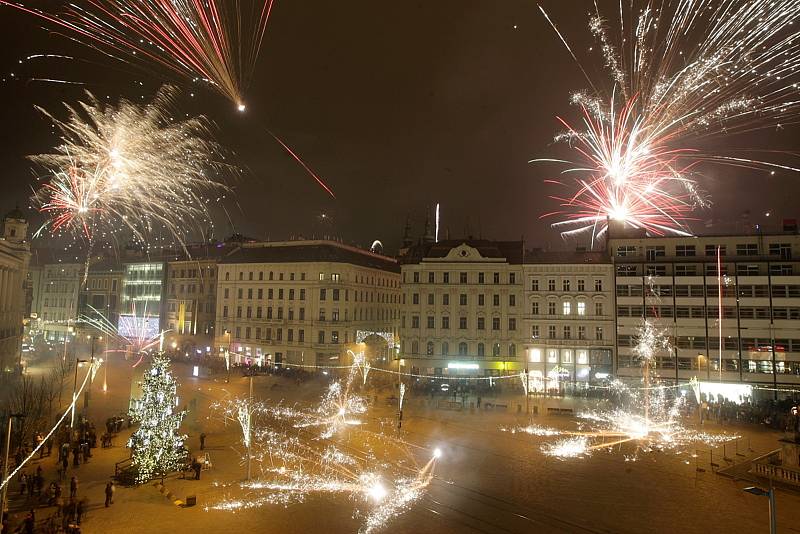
[
  {"x": 429, "y": 348},
  {"x": 512, "y": 350},
  {"x": 462, "y": 349},
  {"x": 227, "y": 276},
  {"x": 496, "y": 349},
  {"x": 415, "y": 347},
  {"x": 445, "y": 348},
  {"x": 481, "y": 350}
]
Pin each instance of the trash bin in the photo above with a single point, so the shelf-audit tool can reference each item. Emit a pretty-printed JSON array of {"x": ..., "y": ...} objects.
[{"x": 191, "y": 500}]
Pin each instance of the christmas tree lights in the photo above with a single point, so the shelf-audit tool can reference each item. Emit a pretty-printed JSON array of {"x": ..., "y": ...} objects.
[{"x": 157, "y": 446}]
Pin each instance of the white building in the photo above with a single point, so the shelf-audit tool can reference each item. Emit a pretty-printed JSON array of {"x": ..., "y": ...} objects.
[
  {"x": 58, "y": 297},
  {"x": 14, "y": 258},
  {"x": 680, "y": 284},
  {"x": 569, "y": 299},
  {"x": 478, "y": 307},
  {"x": 305, "y": 302}
]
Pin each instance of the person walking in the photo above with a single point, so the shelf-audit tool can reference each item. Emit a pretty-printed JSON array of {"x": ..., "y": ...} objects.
[
  {"x": 109, "y": 493},
  {"x": 79, "y": 510},
  {"x": 30, "y": 522},
  {"x": 73, "y": 488},
  {"x": 202, "y": 441},
  {"x": 23, "y": 482},
  {"x": 64, "y": 466}
]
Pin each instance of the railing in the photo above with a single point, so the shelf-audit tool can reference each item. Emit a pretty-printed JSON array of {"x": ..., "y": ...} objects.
[{"x": 781, "y": 473}]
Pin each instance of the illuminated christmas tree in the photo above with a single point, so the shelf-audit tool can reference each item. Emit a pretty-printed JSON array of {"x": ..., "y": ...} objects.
[{"x": 157, "y": 446}]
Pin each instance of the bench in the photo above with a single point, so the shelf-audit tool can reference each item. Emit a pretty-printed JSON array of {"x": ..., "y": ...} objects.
[
  {"x": 560, "y": 411},
  {"x": 494, "y": 405}
]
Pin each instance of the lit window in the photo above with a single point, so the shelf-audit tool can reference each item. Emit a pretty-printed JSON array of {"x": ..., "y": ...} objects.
[
  {"x": 581, "y": 308},
  {"x": 567, "y": 306}
]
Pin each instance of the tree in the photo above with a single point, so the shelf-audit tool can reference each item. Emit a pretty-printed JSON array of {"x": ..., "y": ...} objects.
[{"x": 157, "y": 447}]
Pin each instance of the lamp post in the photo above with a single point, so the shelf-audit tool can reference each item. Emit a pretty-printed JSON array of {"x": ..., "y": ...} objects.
[
  {"x": 770, "y": 494},
  {"x": 5, "y": 463},
  {"x": 78, "y": 362}
]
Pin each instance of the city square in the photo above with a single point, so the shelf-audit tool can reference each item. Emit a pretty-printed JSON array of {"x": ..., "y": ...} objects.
[{"x": 501, "y": 267}]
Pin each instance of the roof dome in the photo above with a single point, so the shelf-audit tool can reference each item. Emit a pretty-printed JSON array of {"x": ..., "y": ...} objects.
[{"x": 16, "y": 213}]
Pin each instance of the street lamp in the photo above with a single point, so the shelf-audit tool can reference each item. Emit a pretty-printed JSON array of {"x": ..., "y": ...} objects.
[
  {"x": 770, "y": 493},
  {"x": 228, "y": 357},
  {"x": 11, "y": 416},
  {"x": 78, "y": 362}
]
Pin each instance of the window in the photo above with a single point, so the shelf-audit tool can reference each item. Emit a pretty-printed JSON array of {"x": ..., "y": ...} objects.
[
  {"x": 290, "y": 335},
  {"x": 626, "y": 250},
  {"x": 684, "y": 250},
  {"x": 535, "y": 331},
  {"x": 534, "y": 308},
  {"x": 431, "y": 277},
  {"x": 446, "y": 278},
  {"x": 462, "y": 323},
  {"x": 496, "y": 300},
  {"x": 685, "y": 270},
  {"x": 481, "y": 349},
  {"x": 270, "y": 293},
  {"x": 462, "y": 349},
  {"x": 512, "y": 324},
  {"x": 302, "y": 314},
  {"x": 269, "y": 312},
  {"x": 462, "y": 278},
  {"x": 335, "y": 294},
  {"x": 780, "y": 269},
  {"x": 656, "y": 270},
  {"x": 481, "y": 300},
  {"x": 334, "y": 337},
  {"x": 598, "y": 308},
  {"x": 654, "y": 252},
  {"x": 567, "y": 332},
  {"x": 302, "y": 294},
  {"x": 431, "y": 322},
  {"x": 429, "y": 348},
  {"x": 746, "y": 270},
  {"x": 565, "y": 285},
  {"x": 496, "y": 278},
  {"x": 335, "y": 315},
  {"x": 598, "y": 285},
  {"x": 496, "y": 349},
  {"x": 280, "y": 294},
  {"x": 416, "y": 277},
  {"x": 239, "y": 293},
  {"x": 534, "y": 284},
  {"x": 238, "y": 312},
  {"x": 512, "y": 278},
  {"x": 249, "y": 312},
  {"x": 481, "y": 278},
  {"x": 415, "y": 347},
  {"x": 415, "y": 298},
  {"x": 301, "y": 335},
  {"x": 446, "y": 299},
  {"x": 415, "y": 321},
  {"x": 784, "y": 250},
  {"x": 321, "y": 278},
  {"x": 335, "y": 277},
  {"x": 258, "y": 312},
  {"x": 224, "y": 311},
  {"x": 512, "y": 350},
  {"x": 445, "y": 348},
  {"x": 462, "y": 299},
  {"x": 581, "y": 308},
  {"x": 323, "y": 294},
  {"x": 551, "y": 285},
  {"x": 598, "y": 333},
  {"x": 321, "y": 334},
  {"x": 495, "y": 323},
  {"x": 551, "y": 308},
  {"x": 626, "y": 270},
  {"x": 566, "y": 308},
  {"x": 291, "y": 294},
  {"x": 581, "y": 285},
  {"x": 551, "y": 332},
  {"x": 747, "y": 249},
  {"x": 512, "y": 300},
  {"x": 581, "y": 332},
  {"x": 481, "y": 323},
  {"x": 711, "y": 250}
]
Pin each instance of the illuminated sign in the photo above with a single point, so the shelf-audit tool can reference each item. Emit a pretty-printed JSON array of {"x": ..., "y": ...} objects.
[{"x": 460, "y": 365}]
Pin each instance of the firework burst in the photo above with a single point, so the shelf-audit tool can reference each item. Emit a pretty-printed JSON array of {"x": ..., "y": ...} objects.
[
  {"x": 214, "y": 41},
  {"x": 679, "y": 72},
  {"x": 126, "y": 166}
]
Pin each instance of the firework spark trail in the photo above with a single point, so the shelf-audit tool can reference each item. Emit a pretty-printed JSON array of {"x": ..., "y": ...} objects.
[
  {"x": 295, "y": 463},
  {"x": 679, "y": 72},
  {"x": 132, "y": 332},
  {"x": 651, "y": 422},
  {"x": 132, "y": 167},
  {"x": 217, "y": 41}
]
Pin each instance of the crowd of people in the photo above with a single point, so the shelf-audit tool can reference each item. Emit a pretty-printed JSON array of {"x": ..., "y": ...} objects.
[{"x": 64, "y": 512}]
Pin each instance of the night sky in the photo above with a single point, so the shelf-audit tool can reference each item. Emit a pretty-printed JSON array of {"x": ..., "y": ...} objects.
[{"x": 397, "y": 105}]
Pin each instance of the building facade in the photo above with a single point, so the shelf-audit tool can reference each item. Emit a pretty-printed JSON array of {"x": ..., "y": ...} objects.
[
  {"x": 142, "y": 299},
  {"x": 191, "y": 303},
  {"x": 730, "y": 305},
  {"x": 305, "y": 303},
  {"x": 463, "y": 308},
  {"x": 101, "y": 294},
  {"x": 14, "y": 259},
  {"x": 58, "y": 297},
  {"x": 477, "y": 307},
  {"x": 569, "y": 299}
]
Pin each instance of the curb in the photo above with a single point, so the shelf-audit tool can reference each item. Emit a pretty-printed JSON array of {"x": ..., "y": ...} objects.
[{"x": 168, "y": 494}]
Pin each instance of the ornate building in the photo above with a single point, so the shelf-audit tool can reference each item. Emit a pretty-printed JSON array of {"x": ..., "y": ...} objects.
[{"x": 14, "y": 259}]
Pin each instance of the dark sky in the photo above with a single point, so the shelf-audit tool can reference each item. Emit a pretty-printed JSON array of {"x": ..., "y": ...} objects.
[{"x": 398, "y": 105}]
